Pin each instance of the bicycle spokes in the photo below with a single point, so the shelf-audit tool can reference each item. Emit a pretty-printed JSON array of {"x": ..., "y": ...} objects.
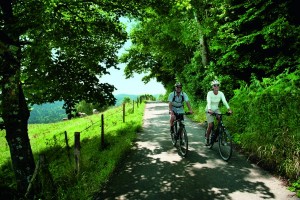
[
  {"x": 211, "y": 139},
  {"x": 183, "y": 142},
  {"x": 225, "y": 145},
  {"x": 173, "y": 138}
]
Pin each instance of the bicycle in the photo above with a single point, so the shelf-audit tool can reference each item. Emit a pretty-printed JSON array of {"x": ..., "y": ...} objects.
[
  {"x": 180, "y": 134},
  {"x": 220, "y": 134}
]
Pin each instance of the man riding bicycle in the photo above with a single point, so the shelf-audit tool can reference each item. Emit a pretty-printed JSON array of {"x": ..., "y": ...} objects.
[{"x": 176, "y": 101}]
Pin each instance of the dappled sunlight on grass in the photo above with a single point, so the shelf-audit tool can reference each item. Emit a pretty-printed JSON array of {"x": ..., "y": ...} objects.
[{"x": 96, "y": 162}]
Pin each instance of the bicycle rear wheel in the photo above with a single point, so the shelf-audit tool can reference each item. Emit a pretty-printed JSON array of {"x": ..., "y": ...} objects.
[
  {"x": 183, "y": 142},
  {"x": 225, "y": 145}
]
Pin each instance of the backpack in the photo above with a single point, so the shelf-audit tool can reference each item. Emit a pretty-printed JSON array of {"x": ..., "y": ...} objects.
[{"x": 182, "y": 99}]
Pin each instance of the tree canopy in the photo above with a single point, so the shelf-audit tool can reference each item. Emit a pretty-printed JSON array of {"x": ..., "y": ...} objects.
[
  {"x": 55, "y": 50},
  {"x": 197, "y": 41}
]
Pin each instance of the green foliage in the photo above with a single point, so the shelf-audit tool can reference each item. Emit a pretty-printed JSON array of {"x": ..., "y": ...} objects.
[
  {"x": 243, "y": 39},
  {"x": 266, "y": 117},
  {"x": 295, "y": 187},
  {"x": 253, "y": 41},
  {"x": 97, "y": 162},
  {"x": 47, "y": 113},
  {"x": 88, "y": 108},
  {"x": 162, "y": 44},
  {"x": 126, "y": 100}
]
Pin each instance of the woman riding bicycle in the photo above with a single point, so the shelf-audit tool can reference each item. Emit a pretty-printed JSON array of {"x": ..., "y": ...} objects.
[
  {"x": 176, "y": 100},
  {"x": 213, "y": 99}
]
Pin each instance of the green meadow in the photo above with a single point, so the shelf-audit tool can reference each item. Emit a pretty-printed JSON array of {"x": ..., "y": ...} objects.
[{"x": 98, "y": 156}]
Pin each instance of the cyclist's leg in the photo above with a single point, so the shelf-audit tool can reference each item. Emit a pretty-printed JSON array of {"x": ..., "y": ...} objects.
[
  {"x": 210, "y": 120},
  {"x": 173, "y": 136},
  {"x": 172, "y": 119}
]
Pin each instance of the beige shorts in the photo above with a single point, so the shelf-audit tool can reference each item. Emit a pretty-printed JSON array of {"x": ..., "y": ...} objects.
[{"x": 210, "y": 118}]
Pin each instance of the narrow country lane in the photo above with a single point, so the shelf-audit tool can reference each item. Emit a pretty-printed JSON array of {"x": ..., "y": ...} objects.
[{"x": 155, "y": 170}]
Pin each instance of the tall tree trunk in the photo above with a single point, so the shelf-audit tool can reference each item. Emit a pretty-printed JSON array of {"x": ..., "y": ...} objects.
[
  {"x": 15, "y": 112},
  {"x": 203, "y": 49},
  {"x": 202, "y": 40}
]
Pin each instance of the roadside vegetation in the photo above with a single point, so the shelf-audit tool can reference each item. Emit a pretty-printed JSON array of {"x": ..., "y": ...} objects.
[
  {"x": 96, "y": 162},
  {"x": 265, "y": 124}
]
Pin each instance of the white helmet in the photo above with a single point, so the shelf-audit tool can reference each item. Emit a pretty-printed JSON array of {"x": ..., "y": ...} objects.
[
  {"x": 215, "y": 82},
  {"x": 178, "y": 84}
]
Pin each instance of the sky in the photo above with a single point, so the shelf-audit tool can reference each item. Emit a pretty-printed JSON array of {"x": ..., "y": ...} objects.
[{"x": 133, "y": 85}]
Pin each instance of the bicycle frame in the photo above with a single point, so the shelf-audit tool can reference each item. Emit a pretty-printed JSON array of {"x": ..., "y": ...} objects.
[
  {"x": 221, "y": 135},
  {"x": 181, "y": 134},
  {"x": 220, "y": 124}
]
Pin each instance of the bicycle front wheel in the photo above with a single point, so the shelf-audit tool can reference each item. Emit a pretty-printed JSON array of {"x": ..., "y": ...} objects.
[
  {"x": 183, "y": 142},
  {"x": 173, "y": 139},
  {"x": 173, "y": 135},
  {"x": 225, "y": 145}
]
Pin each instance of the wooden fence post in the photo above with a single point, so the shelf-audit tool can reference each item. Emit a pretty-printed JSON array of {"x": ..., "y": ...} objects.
[
  {"x": 123, "y": 112},
  {"x": 77, "y": 152},
  {"x": 102, "y": 131},
  {"x": 132, "y": 106},
  {"x": 67, "y": 146}
]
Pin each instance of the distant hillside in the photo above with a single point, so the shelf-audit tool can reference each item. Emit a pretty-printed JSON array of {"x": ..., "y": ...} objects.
[
  {"x": 47, "y": 113},
  {"x": 120, "y": 98},
  {"x": 53, "y": 112}
]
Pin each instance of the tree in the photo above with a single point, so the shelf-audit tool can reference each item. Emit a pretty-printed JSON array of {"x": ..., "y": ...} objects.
[
  {"x": 198, "y": 41},
  {"x": 259, "y": 38},
  {"x": 54, "y": 50},
  {"x": 162, "y": 44}
]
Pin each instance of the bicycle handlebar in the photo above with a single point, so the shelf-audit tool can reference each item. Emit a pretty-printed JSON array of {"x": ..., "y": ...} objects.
[
  {"x": 185, "y": 113},
  {"x": 215, "y": 114}
]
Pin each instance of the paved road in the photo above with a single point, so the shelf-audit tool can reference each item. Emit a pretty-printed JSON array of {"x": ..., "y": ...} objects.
[{"x": 156, "y": 171}]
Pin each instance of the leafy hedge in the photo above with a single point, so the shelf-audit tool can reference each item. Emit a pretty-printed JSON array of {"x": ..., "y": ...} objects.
[{"x": 266, "y": 122}]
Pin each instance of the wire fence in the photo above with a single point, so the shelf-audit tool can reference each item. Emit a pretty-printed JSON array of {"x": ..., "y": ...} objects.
[{"x": 107, "y": 121}]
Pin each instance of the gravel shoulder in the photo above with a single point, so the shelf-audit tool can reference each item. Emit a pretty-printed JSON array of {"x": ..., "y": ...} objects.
[{"x": 155, "y": 170}]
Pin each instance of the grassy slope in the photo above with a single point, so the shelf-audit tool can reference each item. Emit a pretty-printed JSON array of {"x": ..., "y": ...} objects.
[{"x": 97, "y": 162}]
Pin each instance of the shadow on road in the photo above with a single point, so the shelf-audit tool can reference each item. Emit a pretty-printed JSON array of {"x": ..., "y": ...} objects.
[{"x": 155, "y": 170}]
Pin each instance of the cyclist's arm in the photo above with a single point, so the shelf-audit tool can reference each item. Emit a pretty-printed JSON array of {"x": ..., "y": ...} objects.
[
  {"x": 170, "y": 107},
  {"x": 225, "y": 103},
  {"x": 208, "y": 99},
  {"x": 189, "y": 106},
  {"x": 186, "y": 99},
  {"x": 170, "y": 102}
]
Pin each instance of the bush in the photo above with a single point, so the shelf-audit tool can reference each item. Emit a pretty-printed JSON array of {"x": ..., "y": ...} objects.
[{"x": 266, "y": 118}]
